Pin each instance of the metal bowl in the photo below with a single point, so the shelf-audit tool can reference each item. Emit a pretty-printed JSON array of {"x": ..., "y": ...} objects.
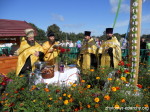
[{"x": 40, "y": 65}]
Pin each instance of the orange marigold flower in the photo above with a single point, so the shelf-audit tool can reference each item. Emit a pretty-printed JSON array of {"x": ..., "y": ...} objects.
[
  {"x": 113, "y": 89},
  {"x": 92, "y": 70},
  {"x": 96, "y": 105},
  {"x": 123, "y": 78},
  {"x": 56, "y": 101},
  {"x": 21, "y": 76},
  {"x": 66, "y": 102},
  {"x": 137, "y": 105},
  {"x": 49, "y": 105},
  {"x": 117, "y": 106},
  {"x": 97, "y": 78},
  {"x": 34, "y": 101},
  {"x": 135, "y": 90},
  {"x": 123, "y": 101},
  {"x": 96, "y": 99},
  {"x": 50, "y": 98},
  {"x": 71, "y": 100},
  {"x": 74, "y": 85},
  {"x": 146, "y": 105},
  {"x": 107, "y": 97},
  {"x": 46, "y": 90},
  {"x": 88, "y": 106},
  {"x": 82, "y": 81},
  {"x": 60, "y": 98},
  {"x": 88, "y": 86},
  {"x": 69, "y": 96},
  {"x": 64, "y": 94},
  {"x": 109, "y": 79}
]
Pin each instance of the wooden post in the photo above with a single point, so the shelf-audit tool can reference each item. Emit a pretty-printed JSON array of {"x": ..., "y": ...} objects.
[{"x": 134, "y": 41}]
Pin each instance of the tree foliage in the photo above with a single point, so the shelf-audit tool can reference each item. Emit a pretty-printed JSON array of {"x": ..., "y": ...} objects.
[{"x": 60, "y": 35}]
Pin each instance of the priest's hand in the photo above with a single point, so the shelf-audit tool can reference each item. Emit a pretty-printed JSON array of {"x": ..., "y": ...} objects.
[
  {"x": 36, "y": 53},
  {"x": 51, "y": 50}
]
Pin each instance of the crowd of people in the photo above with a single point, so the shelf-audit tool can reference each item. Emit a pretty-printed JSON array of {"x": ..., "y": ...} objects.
[{"x": 92, "y": 52}]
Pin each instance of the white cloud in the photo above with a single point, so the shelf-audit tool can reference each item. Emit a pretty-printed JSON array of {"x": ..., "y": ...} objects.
[
  {"x": 123, "y": 8},
  {"x": 144, "y": 1},
  {"x": 146, "y": 18},
  {"x": 73, "y": 25},
  {"x": 57, "y": 17},
  {"x": 122, "y": 23}
]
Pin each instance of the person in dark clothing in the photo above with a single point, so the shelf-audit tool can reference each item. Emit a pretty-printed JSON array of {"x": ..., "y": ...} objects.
[
  {"x": 14, "y": 49},
  {"x": 143, "y": 50}
]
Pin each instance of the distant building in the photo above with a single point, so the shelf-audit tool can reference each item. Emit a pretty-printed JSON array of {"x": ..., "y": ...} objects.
[{"x": 11, "y": 31}]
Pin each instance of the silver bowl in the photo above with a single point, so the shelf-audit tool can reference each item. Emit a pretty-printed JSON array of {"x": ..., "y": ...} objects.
[{"x": 40, "y": 65}]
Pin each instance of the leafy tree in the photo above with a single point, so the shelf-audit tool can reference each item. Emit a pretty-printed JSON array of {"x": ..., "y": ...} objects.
[{"x": 56, "y": 30}]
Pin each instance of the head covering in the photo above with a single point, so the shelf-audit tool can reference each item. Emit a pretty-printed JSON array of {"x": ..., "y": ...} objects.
[
  {"x": 29, "y": 32},
  {"x": 50, "y": 34},
  {"x": 87, "y": 33},
  {"x": 109, "y": 30}
]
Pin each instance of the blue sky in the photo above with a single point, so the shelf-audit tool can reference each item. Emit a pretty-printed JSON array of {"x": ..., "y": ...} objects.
[{"x": 74, "y": 15}]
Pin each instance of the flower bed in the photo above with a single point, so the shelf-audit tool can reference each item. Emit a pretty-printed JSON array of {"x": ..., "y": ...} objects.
[{"x": 98, "y": 91}]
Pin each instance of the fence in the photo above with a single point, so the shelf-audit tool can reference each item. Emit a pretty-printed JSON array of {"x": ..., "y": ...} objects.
[{"x": 73, "y": 53}]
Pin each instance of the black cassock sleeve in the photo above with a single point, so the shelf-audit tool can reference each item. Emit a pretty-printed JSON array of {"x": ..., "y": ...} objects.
[
  {"x": 110, "y": 52},
  {"x": 41, "y": 56},
  {"x": 93, "y": 61}
]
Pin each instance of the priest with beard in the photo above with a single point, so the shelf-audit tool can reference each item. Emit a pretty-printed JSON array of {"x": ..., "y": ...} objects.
[
  {"x": 110, "y": 51},
  {"x": 87, "y": 56},
  {"x": 51, "y": 49},
  {"x": 28, "y": 53}
]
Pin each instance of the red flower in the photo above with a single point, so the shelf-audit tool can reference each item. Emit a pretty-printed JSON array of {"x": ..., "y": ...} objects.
[
  {"x": 3, "y": 83},
  {"x": 5, "y": 78},
  {"x": 126, "y": 71},
  {"x": 68, "y": 50},
  {"x": 121, "y": 63},
  {"x": 139, "y": 85},
  {"x": 22, "y": 89},
  {"x": 62, "y": 50},
  {"x": 12, "y": 104},
  {"x": 117, "y": 88},
  {"x": 3, "y": 98},
  {"x": 119, "y": 72},
  {"x": 76, "y": 109},
  {"x": 16, "y": 92},
  {"x": 57, "y": 90},
  {"x": 128, "y": 65}
]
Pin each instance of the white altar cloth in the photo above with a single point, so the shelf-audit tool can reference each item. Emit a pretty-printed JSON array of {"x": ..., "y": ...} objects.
[{"x": 70, "y": 76}]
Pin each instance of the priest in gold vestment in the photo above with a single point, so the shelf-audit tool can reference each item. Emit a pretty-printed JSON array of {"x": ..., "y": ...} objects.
[
  {"x": 110, "y": 51},
  {"x": 28, "y": 53},
  {"x": 87, "y": 57},
  {"x": 51, "y": 49}
]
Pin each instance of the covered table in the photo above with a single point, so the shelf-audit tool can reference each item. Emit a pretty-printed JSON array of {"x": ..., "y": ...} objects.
[{"x": 70, "y": 76}]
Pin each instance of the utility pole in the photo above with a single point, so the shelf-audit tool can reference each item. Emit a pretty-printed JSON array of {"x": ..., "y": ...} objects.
[{"x": 134, "y": 40}]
